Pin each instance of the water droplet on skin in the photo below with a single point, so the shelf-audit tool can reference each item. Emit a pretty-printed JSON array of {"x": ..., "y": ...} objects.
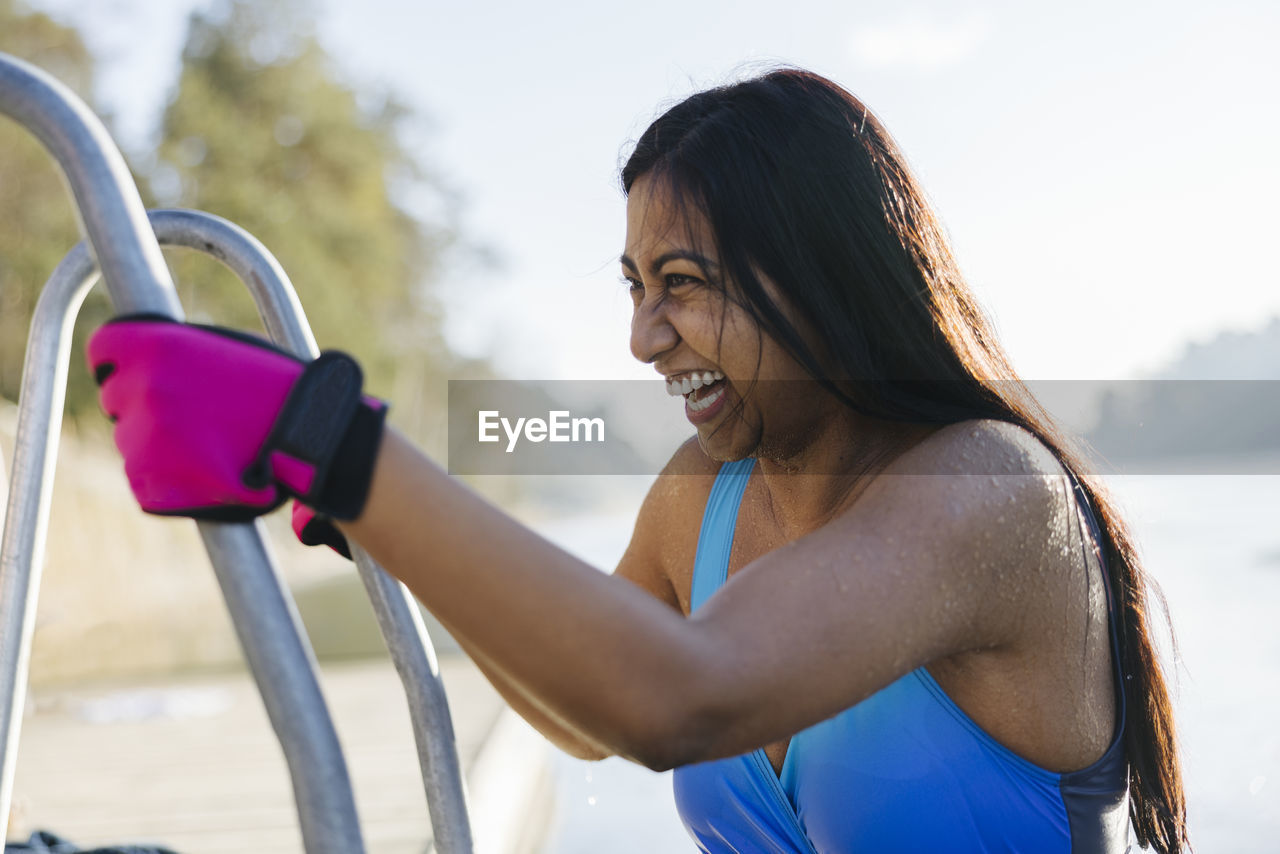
[{"x": 591, "y": 800}]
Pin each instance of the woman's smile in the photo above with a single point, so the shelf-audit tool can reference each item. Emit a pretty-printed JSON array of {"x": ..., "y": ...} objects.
[
  {"x": 703, "y": 404},
  {"x": 704, "y": 393}
]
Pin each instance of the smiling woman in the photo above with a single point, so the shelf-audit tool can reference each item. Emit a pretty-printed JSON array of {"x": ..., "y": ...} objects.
[{"x": 876, "y": 604}]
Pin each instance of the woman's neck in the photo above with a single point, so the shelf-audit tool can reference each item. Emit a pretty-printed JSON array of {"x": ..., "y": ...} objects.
[{"x": 810, "y": 483}]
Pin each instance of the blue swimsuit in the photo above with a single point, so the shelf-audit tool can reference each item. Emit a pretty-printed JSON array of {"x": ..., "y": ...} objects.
[{"x": 905, "y": 770}]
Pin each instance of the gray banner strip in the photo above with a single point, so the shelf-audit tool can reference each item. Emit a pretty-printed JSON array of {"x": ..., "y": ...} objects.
[{"x": 629, "y": 427}]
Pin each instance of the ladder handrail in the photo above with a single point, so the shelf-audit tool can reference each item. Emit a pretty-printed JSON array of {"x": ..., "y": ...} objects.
[
  {"x": 262, "y": 611},
  {"x": 35, "y": 451},
  {"x": 283, "y": 664},
  {"x": 106, "y": 201},
  {"x": 396, "y": 610}
]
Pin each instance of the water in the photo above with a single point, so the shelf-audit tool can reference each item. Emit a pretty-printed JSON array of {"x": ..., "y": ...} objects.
[{"x": 1213, "y": 543}]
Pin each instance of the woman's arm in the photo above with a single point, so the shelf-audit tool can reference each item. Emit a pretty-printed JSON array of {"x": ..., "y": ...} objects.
[
  {"x": 914, "y": 571},
  {"x": 558, "y": 732},
  {"x": 592, "y": 647},
  {"x": 644, "y": 564}
]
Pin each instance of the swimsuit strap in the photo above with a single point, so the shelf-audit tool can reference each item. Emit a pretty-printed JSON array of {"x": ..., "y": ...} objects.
[
  {"x": 715, "y": 540},
  {"x": 1112, "y": 614}
]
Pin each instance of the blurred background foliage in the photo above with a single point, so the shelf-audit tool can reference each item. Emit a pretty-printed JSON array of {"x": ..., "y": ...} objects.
[
  {"x": 37, "y": 223},
  {"x": 260, "y": 129}
]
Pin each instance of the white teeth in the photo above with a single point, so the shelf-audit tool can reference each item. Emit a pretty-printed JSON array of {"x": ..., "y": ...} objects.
[
  {"x": 692, "y": 382},
  {"x": 699, "y": 405}
]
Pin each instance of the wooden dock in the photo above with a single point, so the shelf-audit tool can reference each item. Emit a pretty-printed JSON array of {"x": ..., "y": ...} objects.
[{"x": 193, "y": 764}]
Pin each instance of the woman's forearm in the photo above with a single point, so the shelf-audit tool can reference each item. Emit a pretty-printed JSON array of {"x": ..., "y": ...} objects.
[
  {"x": 556, "y": 731},
  {"x": 597, "y": 652}
]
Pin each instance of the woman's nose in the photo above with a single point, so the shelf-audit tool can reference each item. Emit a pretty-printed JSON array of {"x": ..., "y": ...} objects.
[{"x": 651, "y": 332}]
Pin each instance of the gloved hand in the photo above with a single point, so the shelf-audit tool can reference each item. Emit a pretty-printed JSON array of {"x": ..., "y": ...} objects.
[
  {"x": 314, "y": 530},
  {"x": 216, "y": 424}
]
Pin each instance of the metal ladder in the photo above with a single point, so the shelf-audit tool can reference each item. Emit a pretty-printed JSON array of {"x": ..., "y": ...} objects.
[{"x": 124, "y": 243}]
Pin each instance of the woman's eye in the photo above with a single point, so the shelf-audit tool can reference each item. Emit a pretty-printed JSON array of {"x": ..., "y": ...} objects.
[{"x": 671, "y": 281}]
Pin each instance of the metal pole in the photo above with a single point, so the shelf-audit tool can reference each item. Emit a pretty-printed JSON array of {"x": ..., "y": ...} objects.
[
  {"x": 106, "y": 200},
  {"x": 393, "y": 605},
  {"x": 44, "y": 379},
  {"x": 415, "y": 661},
  {"x": 282, "y": 662}
]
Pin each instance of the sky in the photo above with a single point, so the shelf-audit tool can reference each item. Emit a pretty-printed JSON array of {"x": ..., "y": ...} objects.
[{"x": 1106, "y": 171}]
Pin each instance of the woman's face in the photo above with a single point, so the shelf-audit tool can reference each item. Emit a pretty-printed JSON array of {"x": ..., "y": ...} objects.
[{"x": 741, "y": 391}]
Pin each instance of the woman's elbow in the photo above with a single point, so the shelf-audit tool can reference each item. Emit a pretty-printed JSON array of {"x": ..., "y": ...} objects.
[
  {"x": 664, "y": 756},
  {"x": 682, "y": 732},
  {"x": 678, "y": 714}
]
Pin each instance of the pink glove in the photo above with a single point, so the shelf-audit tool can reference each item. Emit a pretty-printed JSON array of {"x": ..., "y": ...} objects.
[{"x": 216, "y": 424}]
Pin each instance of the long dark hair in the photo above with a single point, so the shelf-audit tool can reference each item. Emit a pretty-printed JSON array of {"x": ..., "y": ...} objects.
[{"x": 802, "y": 184}]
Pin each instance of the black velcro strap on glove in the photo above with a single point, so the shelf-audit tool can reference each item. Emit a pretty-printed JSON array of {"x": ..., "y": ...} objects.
[{"x": 328, "y": 425}]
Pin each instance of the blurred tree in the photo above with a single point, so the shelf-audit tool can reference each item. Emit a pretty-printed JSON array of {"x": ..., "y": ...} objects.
[
  {"x": 259, "y": 129},
  {"x": 37, "y": 222},
  {"x": 262, "y": 131}
]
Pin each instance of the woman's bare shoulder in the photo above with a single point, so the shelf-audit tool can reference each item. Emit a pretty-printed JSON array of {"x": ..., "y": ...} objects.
[
  {"x": 983, "y": 446},
  {"x": 991, "y": 494}
]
